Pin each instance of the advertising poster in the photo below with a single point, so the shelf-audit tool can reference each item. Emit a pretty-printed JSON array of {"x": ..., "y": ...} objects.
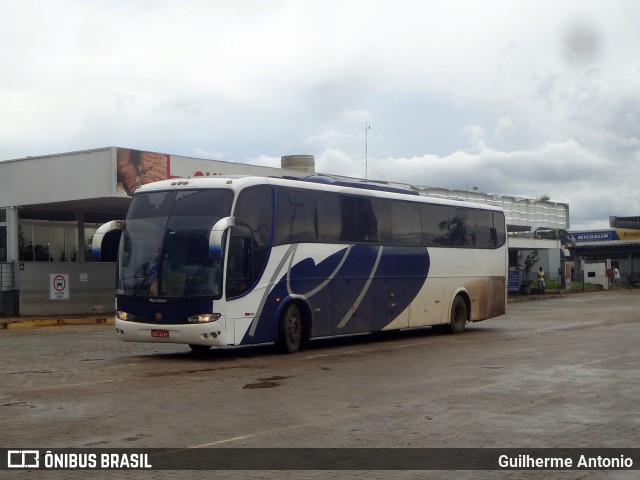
[{"x": 137, "y": 168}]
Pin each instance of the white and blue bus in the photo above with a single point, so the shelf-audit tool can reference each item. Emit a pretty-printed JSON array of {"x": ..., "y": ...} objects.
[{"x": 250, "y": 260}]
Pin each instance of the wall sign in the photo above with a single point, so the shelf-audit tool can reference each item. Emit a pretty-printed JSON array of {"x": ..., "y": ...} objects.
[{"x": 58, "y": 286}]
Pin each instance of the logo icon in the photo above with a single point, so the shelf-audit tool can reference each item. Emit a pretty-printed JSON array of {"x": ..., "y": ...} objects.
[
  {"x": 59, "y": 283},
  {"x": 23, "y": 459}
]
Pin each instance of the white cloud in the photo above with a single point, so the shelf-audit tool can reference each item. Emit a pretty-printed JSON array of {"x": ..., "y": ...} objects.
[
  {"x": 356, "y": 116},
  {"x": 202, "y": 153},
  {"x": 474, "y": 133},
  {"x": 329, "y": 137},
  {"x": 504, "y": 129},
  {"x": 339, "y": 163},
  {"x": 521, "y": 98}
]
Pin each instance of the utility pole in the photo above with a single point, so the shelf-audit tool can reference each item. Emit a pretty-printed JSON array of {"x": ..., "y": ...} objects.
[{"x": 366, "y": 153}]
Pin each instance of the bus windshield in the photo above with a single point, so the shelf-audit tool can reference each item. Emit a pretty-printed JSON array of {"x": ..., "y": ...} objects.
[{"x": 164, "y": 250}]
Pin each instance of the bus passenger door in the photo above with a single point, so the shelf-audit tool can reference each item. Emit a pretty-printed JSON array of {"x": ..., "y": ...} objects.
[
  {"x": 397, "y": 302},
  {"x": 322, "y": 306},
  {"x": 351, "y": 314},
  {"x": 427, "y": 309}
]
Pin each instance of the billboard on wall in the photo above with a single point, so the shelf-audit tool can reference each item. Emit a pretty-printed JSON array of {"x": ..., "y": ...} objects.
[
  {"x": 616, "y": 235},
  {"x": 137, "y": 168}
]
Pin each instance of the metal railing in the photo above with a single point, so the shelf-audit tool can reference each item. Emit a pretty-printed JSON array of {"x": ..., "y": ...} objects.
[
  {"x": 7, "y": 283},
  {"x": 7, "y": 276}
]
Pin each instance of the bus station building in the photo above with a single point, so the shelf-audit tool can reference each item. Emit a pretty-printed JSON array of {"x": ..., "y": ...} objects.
[{"x": 51, "y": 206}]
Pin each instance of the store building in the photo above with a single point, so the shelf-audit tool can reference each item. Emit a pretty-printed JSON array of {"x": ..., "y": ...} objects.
[
  {"x": 51, "y": 206},
  {"x": 597, "y": 252}
]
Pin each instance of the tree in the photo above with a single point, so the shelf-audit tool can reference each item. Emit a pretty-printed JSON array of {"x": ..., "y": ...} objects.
[{"x": 530, "y": 260}]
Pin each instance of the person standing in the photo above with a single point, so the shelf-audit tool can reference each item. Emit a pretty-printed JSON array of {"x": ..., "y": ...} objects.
[
  {"x": 616, "y": 276},
  {"x": 541, "y": 284}
]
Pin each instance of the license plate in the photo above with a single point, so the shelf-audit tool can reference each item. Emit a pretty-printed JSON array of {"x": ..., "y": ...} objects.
[{"x": 160, "y": 333}]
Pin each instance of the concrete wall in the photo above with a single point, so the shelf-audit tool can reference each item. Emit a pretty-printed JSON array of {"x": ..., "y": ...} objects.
[
  {"x": 89, "y": 285},
  {"x": 596, "y": 273}
]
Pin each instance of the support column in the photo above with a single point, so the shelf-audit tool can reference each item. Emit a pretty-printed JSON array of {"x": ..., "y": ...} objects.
[
  {"x": 80, "y": 222},
  {"x": 577, "y": 267},
  {"x": 13, "y": 248}
]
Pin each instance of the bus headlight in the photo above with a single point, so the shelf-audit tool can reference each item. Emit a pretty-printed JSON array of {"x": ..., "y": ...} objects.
[
  {"x": 204, "y": 318},
  {"x": 125, "y": 316}
]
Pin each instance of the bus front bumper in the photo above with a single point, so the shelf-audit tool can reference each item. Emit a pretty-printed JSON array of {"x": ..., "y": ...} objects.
[{"x": 212, "y": 334}]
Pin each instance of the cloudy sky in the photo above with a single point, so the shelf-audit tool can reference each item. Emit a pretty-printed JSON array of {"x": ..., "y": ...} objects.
[{"x": 523, "y": 98}]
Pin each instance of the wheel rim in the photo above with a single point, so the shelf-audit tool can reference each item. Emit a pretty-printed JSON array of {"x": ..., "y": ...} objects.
[
  {"x": 294, "y": 327},
  {"x": 458, "y": 316}
]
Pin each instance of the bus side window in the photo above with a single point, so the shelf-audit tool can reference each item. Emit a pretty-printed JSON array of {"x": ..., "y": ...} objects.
[
  {"x": 458, "y": 230},
  {"x": 483, "y": 235},
  {"x": 329, "y": 225},
  {"x": 498, "y": 230},
  {"x": 254, "y": 211},
  {"x": 348, "y": 218},
  {"x": 367, "y": 223},
  {"x": 359, "y": 222},
  {"x": 406, "y": 223},
  {"x": 382, "y": 212},
  {"x": 240, "y": 262},
  {"x": 303, "y": 227},
  {"x": 295, "y": 216},
  {"x": 435, "y": 225}
]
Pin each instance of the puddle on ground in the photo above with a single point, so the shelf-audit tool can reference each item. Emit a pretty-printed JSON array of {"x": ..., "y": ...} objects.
[{"x": 264, "y": 383}]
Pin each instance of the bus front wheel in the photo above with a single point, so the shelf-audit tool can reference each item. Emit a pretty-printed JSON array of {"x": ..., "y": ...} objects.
[
  {"x": 458, "y": 315},
  {"x": 290, "y": 330}
]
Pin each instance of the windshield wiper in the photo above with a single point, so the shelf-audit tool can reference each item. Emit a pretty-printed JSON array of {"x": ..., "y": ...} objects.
[
  {"x": 192, "y": 282},
  {"x": 143, "y": 282}
]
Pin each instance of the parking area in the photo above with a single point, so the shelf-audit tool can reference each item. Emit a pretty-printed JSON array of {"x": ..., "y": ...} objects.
[{"x": 559, "y": 372}]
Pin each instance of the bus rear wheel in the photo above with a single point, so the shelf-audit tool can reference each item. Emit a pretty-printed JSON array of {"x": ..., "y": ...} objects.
[
  {"x": 458, "y": 315},
  {"x": 290, "y": 330}
]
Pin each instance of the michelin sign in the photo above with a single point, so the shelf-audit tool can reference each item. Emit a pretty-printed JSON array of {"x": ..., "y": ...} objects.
[{"x": 605, "y": 236}]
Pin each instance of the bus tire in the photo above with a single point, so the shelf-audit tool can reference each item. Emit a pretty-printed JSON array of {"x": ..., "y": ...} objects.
[
  {"x": 290, "y": 330},
  {"x": 199, "y": 348},
  {"x": 458, "y": 315}
]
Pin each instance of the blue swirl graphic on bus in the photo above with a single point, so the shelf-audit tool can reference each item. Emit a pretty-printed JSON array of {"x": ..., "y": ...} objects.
[{"x": 361, "y": 288}]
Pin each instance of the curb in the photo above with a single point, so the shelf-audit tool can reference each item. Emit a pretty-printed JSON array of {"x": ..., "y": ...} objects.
[
  {"x": 53, "y": 322},
  {"x": 531, "y": 298}
]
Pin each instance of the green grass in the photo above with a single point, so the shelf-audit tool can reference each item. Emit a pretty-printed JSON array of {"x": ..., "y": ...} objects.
[
  {"x": 575, "y": 286},
  {"x": 588, "y": 287}
]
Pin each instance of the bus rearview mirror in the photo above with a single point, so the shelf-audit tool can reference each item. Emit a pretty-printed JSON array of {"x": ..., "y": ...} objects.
[{"x": 216, "y": 235}]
